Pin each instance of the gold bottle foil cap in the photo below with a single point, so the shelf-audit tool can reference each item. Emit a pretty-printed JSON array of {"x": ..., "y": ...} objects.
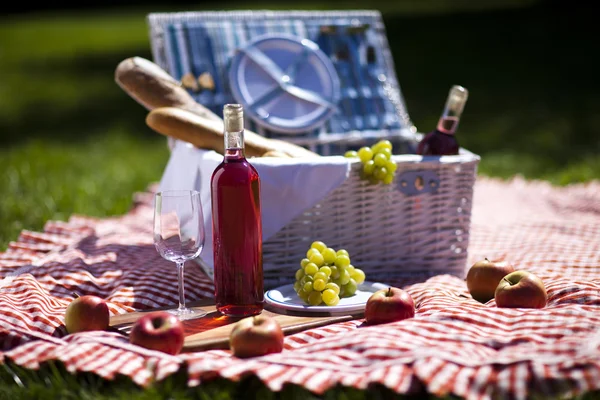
[{"x": 233, "y": 116}]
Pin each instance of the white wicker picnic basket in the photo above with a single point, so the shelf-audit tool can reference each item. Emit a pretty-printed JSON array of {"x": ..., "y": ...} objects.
[
  {"x": 389, "y": 233},
  {"x": 416, "y": 227}
]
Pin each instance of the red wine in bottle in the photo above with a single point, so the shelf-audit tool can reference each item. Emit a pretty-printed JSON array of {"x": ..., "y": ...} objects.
[
  {"x": 237, "y": 227},
  {"x": 442, "y": 141}
]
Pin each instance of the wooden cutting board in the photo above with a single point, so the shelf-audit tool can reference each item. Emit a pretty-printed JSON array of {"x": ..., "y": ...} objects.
[{"x": 212, "y": 331}]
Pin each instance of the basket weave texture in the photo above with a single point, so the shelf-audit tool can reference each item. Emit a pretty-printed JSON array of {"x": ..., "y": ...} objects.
[{"x": 386, "y": 232}]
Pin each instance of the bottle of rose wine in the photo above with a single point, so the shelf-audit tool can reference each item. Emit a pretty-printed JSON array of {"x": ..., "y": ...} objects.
[
  {"x": 237, "y": 228},
  {"x": 442, "y": 140}
]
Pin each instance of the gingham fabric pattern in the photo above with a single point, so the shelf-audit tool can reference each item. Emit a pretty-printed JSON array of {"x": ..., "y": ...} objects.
[{"x": 454, "y": 345}]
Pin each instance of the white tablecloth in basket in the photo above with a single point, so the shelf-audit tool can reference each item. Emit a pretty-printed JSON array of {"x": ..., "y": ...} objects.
[{"x": 288, "y": 186}]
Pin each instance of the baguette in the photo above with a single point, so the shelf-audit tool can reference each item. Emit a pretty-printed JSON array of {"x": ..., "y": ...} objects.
[
  {"x": 275, "y": 153},
  {"x": 153, "y": 87},
  {"x": 208, "y": 134}
]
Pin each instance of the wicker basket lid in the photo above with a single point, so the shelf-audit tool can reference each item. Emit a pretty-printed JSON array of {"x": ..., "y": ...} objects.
[{"x": 204, "y": 49}]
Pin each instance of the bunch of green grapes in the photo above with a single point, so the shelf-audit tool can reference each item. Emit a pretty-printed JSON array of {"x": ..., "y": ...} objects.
[
  {"x": 326, "y": 275},
  {"x": 377, "y": 163}
]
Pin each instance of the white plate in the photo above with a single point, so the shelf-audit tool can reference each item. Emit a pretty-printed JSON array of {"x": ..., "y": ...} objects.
[{"x": 285, "y": 298}]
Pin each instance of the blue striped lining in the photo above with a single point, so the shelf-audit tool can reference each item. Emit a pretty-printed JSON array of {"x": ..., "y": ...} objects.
[{"x": 198, "y": 42}]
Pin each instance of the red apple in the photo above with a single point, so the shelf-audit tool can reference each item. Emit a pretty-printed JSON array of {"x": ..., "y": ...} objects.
[
  {"x": 87, "y": 313},
  {"x": 256, "y": 336},
  {"x": 389, "y": 305},
  {"x": 521, "y": 289},
  {"x": 483, "y": 278},
  {"x": 158, "y": 330}
]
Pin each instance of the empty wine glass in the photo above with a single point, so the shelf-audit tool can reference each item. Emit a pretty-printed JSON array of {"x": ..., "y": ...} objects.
[{"x": 179, "y": 236}]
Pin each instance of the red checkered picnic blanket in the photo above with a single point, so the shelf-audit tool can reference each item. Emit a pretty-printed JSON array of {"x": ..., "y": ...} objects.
[{"x": 454, "y": 345}]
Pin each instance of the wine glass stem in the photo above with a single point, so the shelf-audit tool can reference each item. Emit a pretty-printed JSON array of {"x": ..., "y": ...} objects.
[{"x": 180, "y": 282}]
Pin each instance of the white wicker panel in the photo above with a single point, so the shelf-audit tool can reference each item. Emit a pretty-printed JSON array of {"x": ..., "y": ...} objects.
[{"x": 387, "y": 233}]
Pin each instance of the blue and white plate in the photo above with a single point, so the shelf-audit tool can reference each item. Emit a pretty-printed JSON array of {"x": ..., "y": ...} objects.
[
  {"x": 285, "y": 83},
  {"x": 285, "y": 298}
]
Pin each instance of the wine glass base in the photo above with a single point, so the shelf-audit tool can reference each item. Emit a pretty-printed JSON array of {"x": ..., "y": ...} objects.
[{"x": 187, "y": 313}]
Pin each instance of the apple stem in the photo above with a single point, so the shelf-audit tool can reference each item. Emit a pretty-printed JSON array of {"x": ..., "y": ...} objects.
[
  {"x": 157, "y": 322},
  {"x": 389, "y": 292},
  {"x": 76, "y": 295}
]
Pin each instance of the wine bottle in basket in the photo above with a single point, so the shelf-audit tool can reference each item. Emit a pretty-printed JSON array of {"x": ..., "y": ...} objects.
[
  {"x": 442, "y": 140},
  {"x": 237, "y": 229}
]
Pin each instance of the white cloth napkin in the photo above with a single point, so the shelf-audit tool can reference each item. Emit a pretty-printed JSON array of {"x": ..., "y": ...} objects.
[{"x": 288, "y": 186}]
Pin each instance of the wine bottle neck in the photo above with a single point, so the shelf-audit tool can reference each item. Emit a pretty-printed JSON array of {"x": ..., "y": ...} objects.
[
  {"x": 457, "y": 97},
  {"x": 233, "y": 118},
  {"x": 234, "y": 140}
]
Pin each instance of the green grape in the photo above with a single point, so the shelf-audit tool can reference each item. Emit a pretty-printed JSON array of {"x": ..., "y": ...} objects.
[
  {"x": 380, "y": 173},
  {"x": 326, "y": 270},
  {"x": 304, "y": 262},
  {"x": 306, "y": 278},
  {"x": 329, "y": 255},
  {"x": 303, "y": 295},
  {"x": 333, "y": 286},
  {"x": 344, "y": 277},
  {"x": 328, "y": 296},
  {"x": 380, "y": 160},
  {"x": 317, "y": 259},
  {"x": 350, "y": 288},
  {"x": 335, "y": 272},
  {"x": 320, "y": 275},
  {"x": 386, "y": 152},
  {"x": 358, "y": 275},
  {"x": 342, "y": 261},
  {"x": 334, "y": 302},
  {"x": 318, "y": 245},
  {"x": 385, "y": 144},
  {"x": 308, "y": 286},
  {"x": 312, "y": 251},
  {"x": 365, "y": 154},
  {"x": 318, "y": 284},
  {"x": 299, "y": 274},
  {"x": 342, "y": 252},
  {"x": 391, "y": 166},
  {"x": 314, "y": 298},
  {"x": 369, "y": 167},
  {"x": 350, "y": 268},
  {"x": 311, "y": 269},
  {"x": 297, "y": 286},
  {"x": 342, "y": 291},
  {"x": 375, "y": 147},
  {"x": 389, "y": 178},
  {"x": 350, "y": 154}
]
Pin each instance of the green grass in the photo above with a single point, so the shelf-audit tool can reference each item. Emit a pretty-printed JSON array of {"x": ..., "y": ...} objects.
[
  {"x": 71, "y": 141},
  {"x": 52, "y": 180},
  {"x": 52, "y": 381}
]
